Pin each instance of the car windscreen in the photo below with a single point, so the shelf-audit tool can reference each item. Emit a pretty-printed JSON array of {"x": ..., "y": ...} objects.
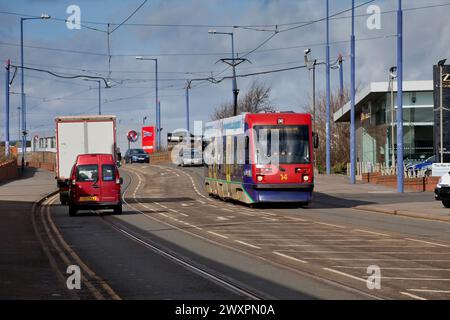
[
  {"x": 87, "y": 173},
  {"x": 108, "y": 172},
  {"x": 137, "y": 151}
]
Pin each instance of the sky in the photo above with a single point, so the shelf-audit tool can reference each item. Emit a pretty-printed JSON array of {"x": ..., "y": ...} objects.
[{"x": 176, "y": 33}]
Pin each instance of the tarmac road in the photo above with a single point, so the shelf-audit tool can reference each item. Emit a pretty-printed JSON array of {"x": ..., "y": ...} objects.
[{"x": 174, "y": 242}]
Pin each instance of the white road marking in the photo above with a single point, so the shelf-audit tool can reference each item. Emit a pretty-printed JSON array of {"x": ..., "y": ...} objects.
[
  {"x": 412, "y": 296},
  {"x": 247, "y": 244},
  {"x": 288, "y": 257},
  {"x": 330, "y": 225},
  {"x": 345, "y": 274},
  {"x": 395, "y": 268},
  {"x": 427, "y": 242},
  {"x": 416, "y": 279},
  {"x": 222, "y": 219},
  {"x": 428, "y": 290},
  {"x": 371, "y": 232},
  {"x": 218, "y": 234}
]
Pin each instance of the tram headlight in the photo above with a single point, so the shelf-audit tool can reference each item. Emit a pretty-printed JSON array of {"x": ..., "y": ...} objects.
[
  {"x": 305, "y": 178},
  {"x": 260, "y": 178}
]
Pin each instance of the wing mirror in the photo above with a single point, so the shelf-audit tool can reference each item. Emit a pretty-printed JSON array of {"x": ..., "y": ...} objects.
[{"x": 315, "y": 140}]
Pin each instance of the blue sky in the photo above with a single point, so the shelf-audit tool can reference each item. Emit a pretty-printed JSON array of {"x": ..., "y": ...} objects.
[{"x": 427, "y": 34}]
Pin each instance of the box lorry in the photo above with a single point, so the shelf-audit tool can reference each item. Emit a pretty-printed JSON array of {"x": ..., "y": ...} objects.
[{"x": 77, "y": 135}]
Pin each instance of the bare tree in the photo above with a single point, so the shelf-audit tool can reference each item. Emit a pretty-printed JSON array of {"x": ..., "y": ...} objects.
[
  {"x": 256, "y": 99},
  {"x": 340, "y": 133}
]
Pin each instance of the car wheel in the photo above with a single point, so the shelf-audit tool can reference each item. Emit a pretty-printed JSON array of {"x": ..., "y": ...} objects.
[
  {"x": 118, "y": 209},
  {"x": 72, "y": 210},
  {"x": 446, "y": 204}
]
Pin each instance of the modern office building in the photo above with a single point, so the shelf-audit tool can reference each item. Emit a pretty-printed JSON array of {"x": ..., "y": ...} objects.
[
  {"x": 375, "y": 126},
  {"x": 43, "y": 141}
]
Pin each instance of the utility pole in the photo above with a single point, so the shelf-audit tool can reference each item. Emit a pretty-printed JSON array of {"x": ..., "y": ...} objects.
[
  {"x": 400, "y": 169},
  {"x": 393, "y": 70},
  {"x": 353, "y": 100},
  {"x": 328, "y": 99},
  {"x": 159, "y": 125},
  {"x": 233, "y": 63},
  {"x": 22, "y": 85},
  {"x": 311, "y": 66},
  {"x": 341, "y": 77},
  {"x": 158, "y": 120},
  {"x": 441, "y": 108},
  {"x": 7, "y": 67},
  {"x": 188, "y": 86}
]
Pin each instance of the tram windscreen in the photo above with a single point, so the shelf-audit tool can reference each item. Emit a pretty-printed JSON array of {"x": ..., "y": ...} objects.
[{"x": 285, "y": 144}]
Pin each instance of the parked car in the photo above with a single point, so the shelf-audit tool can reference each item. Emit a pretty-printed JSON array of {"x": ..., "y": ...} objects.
[
  {"x": 95, "y": 183},
  {"x": 425, "y": 166},
  {"x": 136, "y": 155},
  {"x": 190, "y": 157},
  {"x": 442, "y": 191}
]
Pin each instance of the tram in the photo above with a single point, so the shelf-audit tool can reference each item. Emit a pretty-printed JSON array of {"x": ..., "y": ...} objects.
[{"x": 259, "y": 158}]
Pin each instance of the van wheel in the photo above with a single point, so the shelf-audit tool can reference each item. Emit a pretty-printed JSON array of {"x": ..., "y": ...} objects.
[
  {"x": 446, "y": 204},
  {"x": 72, "y": 210},
  {"x": 118, "y": 209}
]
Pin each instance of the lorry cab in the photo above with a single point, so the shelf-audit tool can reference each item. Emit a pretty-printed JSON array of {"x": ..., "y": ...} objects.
[{"x": 95, "y": 183}]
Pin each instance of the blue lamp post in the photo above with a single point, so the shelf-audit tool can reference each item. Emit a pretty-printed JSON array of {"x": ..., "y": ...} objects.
[{"x": 22, "y": 92}]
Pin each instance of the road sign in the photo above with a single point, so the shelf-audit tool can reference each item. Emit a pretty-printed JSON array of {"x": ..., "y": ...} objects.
[
  {"x": 148, "y": 139},
  {"x": 440, "y": 169},
  {"x": 132, "y": 136}
]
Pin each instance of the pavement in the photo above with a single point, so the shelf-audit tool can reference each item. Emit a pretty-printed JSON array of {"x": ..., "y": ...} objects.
[
  {"x": 335, "y": 190},
  {"x": 25, "y": 271}
]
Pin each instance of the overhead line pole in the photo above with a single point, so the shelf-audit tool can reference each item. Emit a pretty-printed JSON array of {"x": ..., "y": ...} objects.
[
  {"x": 7, "y": 67},
  {"x": 353, "y": 100},
  {"x": 400, "y": 169},
  {"x": 328, "y": 94}
]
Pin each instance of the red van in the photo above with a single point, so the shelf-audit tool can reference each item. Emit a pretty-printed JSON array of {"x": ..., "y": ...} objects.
[{"x": 95, "y": 184}]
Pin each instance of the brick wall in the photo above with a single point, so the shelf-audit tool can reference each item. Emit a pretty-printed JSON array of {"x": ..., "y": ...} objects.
[
  {"x": 412, "y": 184},
  {"x": 44, "y": 160},
  {"x": 8, "y": 170}
]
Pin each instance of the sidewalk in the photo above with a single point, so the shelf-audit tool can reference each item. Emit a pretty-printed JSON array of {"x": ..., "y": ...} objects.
[
  {"x": 336, "y": 191},
  {"x": 25, "y": 271}
]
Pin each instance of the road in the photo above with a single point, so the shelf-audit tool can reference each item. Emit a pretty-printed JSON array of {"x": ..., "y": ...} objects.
[{"x": 175, "y": 242}]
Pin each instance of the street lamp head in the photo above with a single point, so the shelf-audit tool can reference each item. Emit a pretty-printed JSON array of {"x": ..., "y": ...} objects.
[
  {"x": 45, "y": 16},
  {"x": 442, "y": 62},
  {"x": 139, "y": 58},
  {"x": 307, "y": 51},
  {"x": 393, "y": 72},
  {"x": 212, "y": 31}
]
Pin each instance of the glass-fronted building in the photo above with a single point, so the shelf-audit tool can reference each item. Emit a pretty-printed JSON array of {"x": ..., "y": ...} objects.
[{"x": 376, "y": 126}]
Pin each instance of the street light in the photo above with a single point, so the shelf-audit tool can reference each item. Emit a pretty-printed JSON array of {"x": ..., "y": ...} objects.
[
  {"x": 392, "y": 77},
  {"x": 99, "y": 94},
  {"x": 233, "y": 65},
  {"x": 143, "y": 120},
  {"x": 158, "y": 116},
  {"x": 311, "y": 65},
  {"x": 441, "y": 108},
  {"x": 43, "y": 16}
]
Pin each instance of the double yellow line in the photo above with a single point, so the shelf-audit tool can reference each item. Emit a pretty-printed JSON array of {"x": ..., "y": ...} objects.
[{"x": 96, "y": 286}]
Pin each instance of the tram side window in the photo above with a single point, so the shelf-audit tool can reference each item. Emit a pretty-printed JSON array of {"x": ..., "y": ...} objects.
[
  {"x": 235, "y": 151},
  {"x": 247, "y": 150}
]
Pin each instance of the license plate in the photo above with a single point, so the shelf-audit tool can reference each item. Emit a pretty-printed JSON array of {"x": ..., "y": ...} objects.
[{"x": 93, "y": 198}]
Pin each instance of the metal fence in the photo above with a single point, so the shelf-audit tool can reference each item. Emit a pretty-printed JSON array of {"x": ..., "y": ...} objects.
[{"x": 369, "y": 167}]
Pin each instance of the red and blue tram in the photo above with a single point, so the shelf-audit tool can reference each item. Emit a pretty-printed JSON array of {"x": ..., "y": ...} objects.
[{"x": 265, "y": 157}]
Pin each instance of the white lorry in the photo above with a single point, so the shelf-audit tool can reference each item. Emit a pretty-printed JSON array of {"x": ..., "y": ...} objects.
[{"x": 81, "y": 135}]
